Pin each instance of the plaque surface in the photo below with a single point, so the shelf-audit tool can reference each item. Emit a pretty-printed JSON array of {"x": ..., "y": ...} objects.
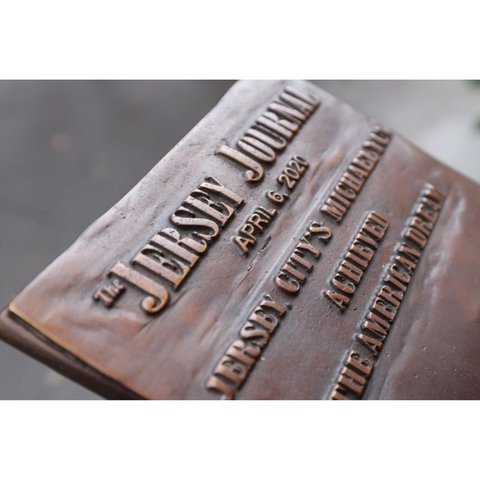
[{"x": 289, "y": 247}]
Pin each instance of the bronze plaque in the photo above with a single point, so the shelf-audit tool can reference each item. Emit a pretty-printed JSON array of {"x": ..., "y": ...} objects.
[{"x": 289, "y": 247}]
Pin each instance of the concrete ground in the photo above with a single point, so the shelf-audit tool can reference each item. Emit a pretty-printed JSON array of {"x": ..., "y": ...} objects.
[{"x": 70, "y": 150}]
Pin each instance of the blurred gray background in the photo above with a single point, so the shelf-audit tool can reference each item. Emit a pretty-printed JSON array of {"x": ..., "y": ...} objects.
[{"x": 69, "y": 150}]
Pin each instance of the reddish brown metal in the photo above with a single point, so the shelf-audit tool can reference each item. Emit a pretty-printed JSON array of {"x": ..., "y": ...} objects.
[{"x": 289, "y": 247}]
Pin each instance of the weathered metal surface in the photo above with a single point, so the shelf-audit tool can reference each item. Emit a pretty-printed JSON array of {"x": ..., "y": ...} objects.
[{"x": 288, "y": 247}]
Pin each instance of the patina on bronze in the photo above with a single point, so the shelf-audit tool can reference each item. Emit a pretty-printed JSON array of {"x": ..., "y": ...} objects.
[{"x": 289, "y": 247}]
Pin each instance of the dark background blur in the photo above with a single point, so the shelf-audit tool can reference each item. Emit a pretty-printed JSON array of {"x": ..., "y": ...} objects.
[{"x": 69, "y": 150}]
